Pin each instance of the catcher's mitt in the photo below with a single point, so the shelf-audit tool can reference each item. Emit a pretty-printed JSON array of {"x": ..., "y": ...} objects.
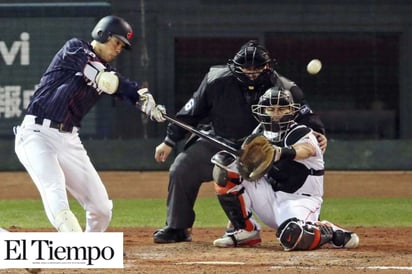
[{"x": 256, "y": 157}]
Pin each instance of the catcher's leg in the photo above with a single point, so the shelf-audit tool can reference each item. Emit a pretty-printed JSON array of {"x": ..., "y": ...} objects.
[
  {"x": 230, "y": 194},
  {"x": 295, "y": 234},
  {"x": 341, "y": 237}
]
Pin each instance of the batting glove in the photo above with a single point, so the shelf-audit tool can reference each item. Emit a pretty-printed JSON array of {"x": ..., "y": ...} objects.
[
  {"x": 148, "y": 105},
  {"x": 157, "y": 113}
]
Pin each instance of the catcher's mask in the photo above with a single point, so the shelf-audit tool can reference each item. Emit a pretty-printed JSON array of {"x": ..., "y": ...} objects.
[
  {"x": 251, "y": 65},
  {"x": 113, "y": 26},
  {"x": 276, "y": 111}
]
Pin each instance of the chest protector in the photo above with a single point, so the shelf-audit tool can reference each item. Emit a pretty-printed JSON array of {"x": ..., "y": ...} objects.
[{"x": 288, "y": 175}]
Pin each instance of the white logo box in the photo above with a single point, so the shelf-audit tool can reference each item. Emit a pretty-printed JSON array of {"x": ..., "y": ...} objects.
[{"x": 61, "y": 250}]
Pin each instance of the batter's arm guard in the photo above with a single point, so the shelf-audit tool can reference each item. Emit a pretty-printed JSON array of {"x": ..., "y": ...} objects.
[{"x": 103, "y": 81}]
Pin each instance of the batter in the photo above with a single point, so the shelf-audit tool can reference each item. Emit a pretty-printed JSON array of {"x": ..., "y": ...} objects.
[{"x": 47, "y": 142}]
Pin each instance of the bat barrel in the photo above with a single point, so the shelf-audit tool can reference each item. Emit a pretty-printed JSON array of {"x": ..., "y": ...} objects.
[{"x": 206, "y": 136}]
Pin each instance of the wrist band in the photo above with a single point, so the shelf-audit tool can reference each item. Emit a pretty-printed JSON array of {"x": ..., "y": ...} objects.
[
  {"x": 168, "y": 142},
  {"x": 288, "y": 153}
]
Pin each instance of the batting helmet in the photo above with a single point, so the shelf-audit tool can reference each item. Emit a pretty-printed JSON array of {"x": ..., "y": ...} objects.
[
  {"x": 276, "y": 111},
  {"x": 251, "y": 56},
  {"x": 113, "y": 26}
]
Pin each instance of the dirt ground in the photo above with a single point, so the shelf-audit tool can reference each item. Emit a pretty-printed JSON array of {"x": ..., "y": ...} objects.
[{"x": 381, "y": 250}]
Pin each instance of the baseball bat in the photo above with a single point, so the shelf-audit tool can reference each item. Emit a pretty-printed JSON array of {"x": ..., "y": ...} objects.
[
  {"x": 201, "y": 134},
  {"x": 193, "y": 130}
]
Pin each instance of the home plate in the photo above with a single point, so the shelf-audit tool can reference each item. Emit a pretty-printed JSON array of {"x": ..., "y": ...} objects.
[
  {"x": 387, "y": 267},
  {"x": 211, "y": 263}
]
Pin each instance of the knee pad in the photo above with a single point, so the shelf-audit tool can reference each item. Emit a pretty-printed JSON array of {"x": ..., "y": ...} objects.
[
  {"x": 226, "y": 181},
  {"x": 222, "y": 174},
  {"x": 295, "y": 234},
  {"x": 65, "y": 221}
]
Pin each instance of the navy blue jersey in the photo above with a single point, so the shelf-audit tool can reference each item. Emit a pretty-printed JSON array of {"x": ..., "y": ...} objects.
[{"x": 63, "y": 94}]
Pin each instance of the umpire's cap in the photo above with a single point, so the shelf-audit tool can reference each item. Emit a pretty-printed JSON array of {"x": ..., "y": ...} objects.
[{"x": 115, "y": 26}]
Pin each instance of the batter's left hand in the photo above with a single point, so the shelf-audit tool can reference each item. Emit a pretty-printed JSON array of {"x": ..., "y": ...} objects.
[{"x": 146, "y": 101}]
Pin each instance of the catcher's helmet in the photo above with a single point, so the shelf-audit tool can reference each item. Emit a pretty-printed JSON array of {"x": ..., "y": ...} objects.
[
  {"x": 113, "y": 26},
  {"x": 276, "y": 111},
  {"x": 251, "y": 59}
]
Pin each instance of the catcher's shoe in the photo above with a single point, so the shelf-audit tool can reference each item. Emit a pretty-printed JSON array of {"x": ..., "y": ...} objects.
[
  {"x": 170, "y": 235},
  {"x": 239, "y": 238},
  {"x": 342, "y": 237}
]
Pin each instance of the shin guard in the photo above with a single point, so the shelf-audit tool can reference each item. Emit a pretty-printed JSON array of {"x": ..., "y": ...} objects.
[
  {"x": 233, "y": 204},
  {"x": 295, "y": 234},
  {"x": 230, "y": 191}
]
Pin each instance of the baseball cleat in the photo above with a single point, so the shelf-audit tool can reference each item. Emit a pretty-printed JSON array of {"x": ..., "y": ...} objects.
[
  {"x": 343, "y": 238},
  {"x": 239, "y": 238},
  {"x": 352, "y": 241},
  {"x": 170, "y": 235}
]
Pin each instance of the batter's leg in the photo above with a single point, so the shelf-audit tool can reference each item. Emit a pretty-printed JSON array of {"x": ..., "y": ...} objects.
[
  {"x": 86, "y": 186},
  {"x": 36, "y": 149},
  {"x": 65, "y": 221}
]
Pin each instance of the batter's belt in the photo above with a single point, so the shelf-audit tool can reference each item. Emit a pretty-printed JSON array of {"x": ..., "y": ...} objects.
[{"x": 31, "y": 119}]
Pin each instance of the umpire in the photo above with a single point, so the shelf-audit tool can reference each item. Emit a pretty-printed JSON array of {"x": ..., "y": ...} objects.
[{"x": 224, "y": 99}]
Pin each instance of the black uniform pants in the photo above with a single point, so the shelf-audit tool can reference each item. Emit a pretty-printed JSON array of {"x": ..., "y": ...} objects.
[{"x": 190, "y": 169}]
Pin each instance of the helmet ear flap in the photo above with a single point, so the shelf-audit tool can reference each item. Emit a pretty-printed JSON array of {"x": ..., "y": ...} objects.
[{"x": 103, "y": 36}]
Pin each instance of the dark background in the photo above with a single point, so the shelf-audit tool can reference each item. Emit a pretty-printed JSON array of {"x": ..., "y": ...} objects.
[{"x": 362, "y": 92}]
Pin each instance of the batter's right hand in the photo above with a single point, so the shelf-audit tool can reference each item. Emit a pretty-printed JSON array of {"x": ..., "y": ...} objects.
[
  {"x": 162, "y": 152},
  {"x": 158, "y": 113}
]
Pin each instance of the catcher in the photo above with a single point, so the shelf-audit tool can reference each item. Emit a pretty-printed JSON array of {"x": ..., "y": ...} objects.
[{"x": 278, "y": 175}]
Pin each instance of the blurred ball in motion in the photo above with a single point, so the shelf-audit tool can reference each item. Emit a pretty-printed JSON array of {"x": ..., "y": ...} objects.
[{"x": 314, "y": 66}]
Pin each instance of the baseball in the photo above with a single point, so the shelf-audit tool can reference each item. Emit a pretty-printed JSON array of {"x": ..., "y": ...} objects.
[{"x": 314, "y": 66}]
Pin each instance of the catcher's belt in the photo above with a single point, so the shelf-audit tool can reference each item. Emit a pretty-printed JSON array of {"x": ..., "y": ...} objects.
[{"x": 314, "y": 172}]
